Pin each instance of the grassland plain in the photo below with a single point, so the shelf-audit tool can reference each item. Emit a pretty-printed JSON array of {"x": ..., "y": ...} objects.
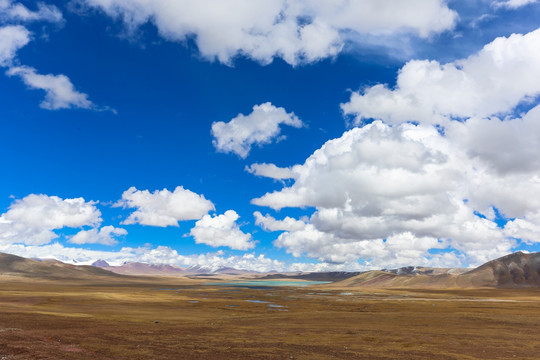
[{"x": 180, "y": 318}]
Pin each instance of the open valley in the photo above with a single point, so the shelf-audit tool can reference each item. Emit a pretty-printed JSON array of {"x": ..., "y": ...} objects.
[{"x": 175, "y": 318}]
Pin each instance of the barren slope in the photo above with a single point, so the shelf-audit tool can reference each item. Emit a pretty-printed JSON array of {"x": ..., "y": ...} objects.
[
  {"x": 514, "y": 270},
  {"x": 18, "y": 266}
]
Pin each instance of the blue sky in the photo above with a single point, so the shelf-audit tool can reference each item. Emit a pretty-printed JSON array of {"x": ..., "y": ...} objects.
[{"x": 290, "y": 135}]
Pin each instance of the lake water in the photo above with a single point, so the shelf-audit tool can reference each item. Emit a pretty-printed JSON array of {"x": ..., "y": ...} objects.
[{"x": 265, "y": 283}]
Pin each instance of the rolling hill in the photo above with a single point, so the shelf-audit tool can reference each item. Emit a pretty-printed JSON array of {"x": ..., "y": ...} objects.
[
  {"x": 514, "y": 270},
  {"x": 510, "y": 271},
  {"x": 12, "y": 265}
]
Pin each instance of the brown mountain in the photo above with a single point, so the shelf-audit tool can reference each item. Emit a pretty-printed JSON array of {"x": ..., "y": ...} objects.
[
  {"x": 514, "y": 270},
  {"x": 510, "y": 271},
  {"x": 136, "y": 268},
  {"x": 12, "y": 265}
]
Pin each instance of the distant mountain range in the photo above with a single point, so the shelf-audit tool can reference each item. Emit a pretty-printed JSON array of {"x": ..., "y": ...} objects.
[
  {"x": 137, "y": 268},
  {"x": 511, "y": 271},
  {"x": 51, "y": 269}
]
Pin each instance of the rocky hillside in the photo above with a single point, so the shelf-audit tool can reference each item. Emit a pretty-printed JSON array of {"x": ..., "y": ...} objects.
[
  {"x": 511, "y": 271},
  {"x": 514, "y": 270}
]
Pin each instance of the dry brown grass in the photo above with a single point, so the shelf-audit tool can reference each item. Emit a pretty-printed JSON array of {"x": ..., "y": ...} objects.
[{"x": 114, "y": 319}]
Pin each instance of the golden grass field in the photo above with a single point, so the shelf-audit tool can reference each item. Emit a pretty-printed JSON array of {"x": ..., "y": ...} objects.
[{"x": 179, "y": 318}]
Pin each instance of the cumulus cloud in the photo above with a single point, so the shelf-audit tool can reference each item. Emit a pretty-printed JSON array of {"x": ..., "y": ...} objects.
[
  {"x": 216, "y": 261},
  {"x": 162, "y": 207},
  {"x": 260, "y": 127},
  {"x": 493, "y": 81},
  {"x": 297, "y": 31},
  {"x": 509, "y": 146},
  {"x": 166, "y": 255},
  {"x": 269, "y": 223},
  {"x": 271, "y": 171},
  {"x": 12, "y": 38},
  {"x": 444, "y": 180},
  {"x": 33, "y": 219},
  {"x": 59, "y": 91},
  {"x": 10, "y": 11},
  {"x": 388, "y": 194},
  {"x": 221, "y": 230},
  {"x": 105, "y": 236},
  {"x": 526, "y": 228},
  {"x": 397, "y": 250},
  {"x": 157, "y": 255}
]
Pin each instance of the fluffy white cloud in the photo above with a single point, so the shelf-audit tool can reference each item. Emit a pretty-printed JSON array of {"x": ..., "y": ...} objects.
[
  {"x": 163, "y": 207},
  {"x": 105, "y": 236},
  {"x": 269, "y": 223},
  {"x": 11, "y": 11},
  {"x": 298, "y": 31},
  {"x": 208, "y": 261},
  {"x": 12, "y": 38},
  {"x": 271, "y": 171},
  {"x": 59, "y": 91},
  {"x": 509, "y": 146},
  {"x": 260, "y": 127},
  {"x": 493, "y": 81},
  {"x": 389, "y": 194},
  {"x": 368, "y": 163},
  {"x": 157, "y": 255},
  {"x": 31, "y": 220},
  {"x": 221, "y": 230},
  {"x": 527, "y": 228},
  {"x": 512, "y": 4},
  {"x": 397, "y": 250},
  {"x": 430, "y": 186},
  {"x": 218, "y": 261}
]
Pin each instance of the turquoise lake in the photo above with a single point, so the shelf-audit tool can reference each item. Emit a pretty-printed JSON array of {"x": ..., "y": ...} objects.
[{"x": 269, "y": 283}]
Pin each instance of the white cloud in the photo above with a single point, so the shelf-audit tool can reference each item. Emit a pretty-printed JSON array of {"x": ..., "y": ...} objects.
[
  {"x": 493, "y": 81},
  {"x": 209, "y": 261},
  {"x": 396, "y": 251},
  {"x": 157, "y": 255},
  {"x": 31, "y": 220},
  {"x": 11, "y": 11},
  {"x": 163, "y": 207},
  {"x": 260, "y": 127},
  {"x": 367, "y": 160},
  {"x": 59, "y": 91},
  {"x": 215, "y": 261},
  {"x": 512, "y": 4},
  {"x": 221, "y": 230},
  {"x": 395, "y": 178},
  {"x": 271, "y": 171},
  {"x": 527, "y": 228},
  {"x": 508, "y": 146},
  {"x": 105, "y": 236},
  {"x": 380, "y": 187},
  {"x": 298, "y": 31},
  {"x": 166, "y": 255},
  {"x": 12, "y": 38},
  {"x": 269, "y": 223}
]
